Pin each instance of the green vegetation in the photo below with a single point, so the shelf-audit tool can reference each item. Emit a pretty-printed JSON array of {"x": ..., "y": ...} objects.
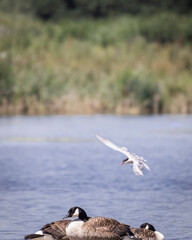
[{"x": 124, "y": 64}]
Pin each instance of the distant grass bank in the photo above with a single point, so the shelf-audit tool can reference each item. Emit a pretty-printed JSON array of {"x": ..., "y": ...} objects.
[{"x": 125, "y": 65}]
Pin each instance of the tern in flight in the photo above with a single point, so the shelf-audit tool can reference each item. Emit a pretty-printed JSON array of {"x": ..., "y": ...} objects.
[{"x": 138, "y": 162}]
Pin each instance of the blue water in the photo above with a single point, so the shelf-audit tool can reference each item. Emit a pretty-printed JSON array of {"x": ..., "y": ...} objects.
[{"x": 49, "y": 164}]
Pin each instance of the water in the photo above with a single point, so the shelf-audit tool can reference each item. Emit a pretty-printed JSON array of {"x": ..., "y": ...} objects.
[{"x": 49, "y": 164}]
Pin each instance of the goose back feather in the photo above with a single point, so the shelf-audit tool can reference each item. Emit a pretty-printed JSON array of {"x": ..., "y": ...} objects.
[{"x": 143, "y": 234}]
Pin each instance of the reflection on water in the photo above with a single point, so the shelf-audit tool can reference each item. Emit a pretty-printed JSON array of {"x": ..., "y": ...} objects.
[{"x": 49, "y": 164}]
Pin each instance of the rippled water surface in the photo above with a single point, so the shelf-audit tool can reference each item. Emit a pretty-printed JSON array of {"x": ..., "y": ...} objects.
[{"x": 49, "y": 164}]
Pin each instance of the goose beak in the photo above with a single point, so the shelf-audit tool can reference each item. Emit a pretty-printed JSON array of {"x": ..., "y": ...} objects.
[{"x": 66, "y": 216}]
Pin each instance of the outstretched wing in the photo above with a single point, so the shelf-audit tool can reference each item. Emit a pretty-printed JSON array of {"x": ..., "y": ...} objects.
[
  {"x": 138, "y": 164},
  {"x": 137, "y": 169},
  {"x": 113, "y": 146}
]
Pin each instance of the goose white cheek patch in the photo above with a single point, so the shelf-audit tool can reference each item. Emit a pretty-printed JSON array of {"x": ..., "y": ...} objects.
[{"x": 76, "y": 213}]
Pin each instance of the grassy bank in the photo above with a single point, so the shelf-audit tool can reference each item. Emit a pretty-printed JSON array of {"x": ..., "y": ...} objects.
[{"x": 125, "y": 65}]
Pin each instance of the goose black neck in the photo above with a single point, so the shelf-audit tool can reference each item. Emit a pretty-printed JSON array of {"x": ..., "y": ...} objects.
[{"x": 83, "y": 215}]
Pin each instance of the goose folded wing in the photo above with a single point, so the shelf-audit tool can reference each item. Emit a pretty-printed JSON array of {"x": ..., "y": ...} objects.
[
  {"x": 101, "y": 227},
  {"x": 56, "y": 229}
]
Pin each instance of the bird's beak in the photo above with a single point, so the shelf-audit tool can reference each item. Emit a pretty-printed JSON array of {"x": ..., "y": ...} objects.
[
  {"x": 122, "y": 164},
  {"x": 66, "y": 216},
  {"x": 124, "y": 161}
]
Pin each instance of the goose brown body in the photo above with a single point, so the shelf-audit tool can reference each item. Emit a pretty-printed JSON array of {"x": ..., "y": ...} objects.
[{"x": 95, "y": 228}]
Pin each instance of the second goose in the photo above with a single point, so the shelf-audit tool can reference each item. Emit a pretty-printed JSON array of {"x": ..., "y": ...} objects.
[{"x": 147, "y": 231}]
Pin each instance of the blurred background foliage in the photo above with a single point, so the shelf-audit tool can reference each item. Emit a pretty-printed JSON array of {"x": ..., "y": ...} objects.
[{"x": 81, "y": 56}]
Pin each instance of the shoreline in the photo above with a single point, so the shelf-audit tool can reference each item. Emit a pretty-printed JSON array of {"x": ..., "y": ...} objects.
[{"x": 86, "y": 106}]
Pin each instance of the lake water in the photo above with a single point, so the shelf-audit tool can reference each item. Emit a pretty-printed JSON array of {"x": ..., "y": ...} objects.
[{"x": 49, "y": 164}]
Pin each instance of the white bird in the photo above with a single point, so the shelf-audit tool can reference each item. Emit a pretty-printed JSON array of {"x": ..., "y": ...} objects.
[{"x": 138, "y": 162}]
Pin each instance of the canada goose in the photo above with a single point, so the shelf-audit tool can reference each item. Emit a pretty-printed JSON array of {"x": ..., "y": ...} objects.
[
  {"x": 147, "y": 232},
  {"x": 138, "y": 162},
  {"x": 95, "y": 228},
  {"x": 51, "y": 231}
]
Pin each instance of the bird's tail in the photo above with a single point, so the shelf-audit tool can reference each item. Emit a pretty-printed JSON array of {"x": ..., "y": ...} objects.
[
  {"x": 124, "y": 230},
  {"x": 34, "y": 236}
]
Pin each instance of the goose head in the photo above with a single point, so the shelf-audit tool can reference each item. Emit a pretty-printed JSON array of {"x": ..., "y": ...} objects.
[
  {"x": 148, "y": 226},
  {"x": 77, "y": 212}
]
